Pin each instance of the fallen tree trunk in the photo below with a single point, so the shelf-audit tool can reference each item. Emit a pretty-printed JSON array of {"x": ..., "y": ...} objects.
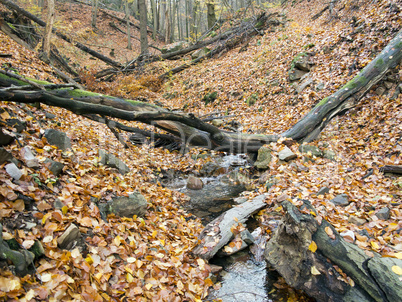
[
  {"x": 310, "y": 126},
  {"x": 218, "y": 232},
  {"x": 11, "y": 5},
  {"x": 391, "y": 169},
  {"x": 306, "y": 256}
]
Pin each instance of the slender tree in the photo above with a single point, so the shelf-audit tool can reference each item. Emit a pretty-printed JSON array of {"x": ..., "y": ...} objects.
[
  {"x": 143, "y": 27},
  {"x": 48, "y": 30},
  {"x": 211, "y": 16},
  {"x": 94, "y": 12},
  {"x": 194, "y": 27}
]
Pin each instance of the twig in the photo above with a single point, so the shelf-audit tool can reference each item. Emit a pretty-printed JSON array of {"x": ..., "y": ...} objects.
[
  {"x": 20, "y": 78},
  {"x": 111, "y": 125}
]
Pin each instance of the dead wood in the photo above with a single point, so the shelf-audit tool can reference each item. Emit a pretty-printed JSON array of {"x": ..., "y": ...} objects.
[{"x": 396, "y": 169}]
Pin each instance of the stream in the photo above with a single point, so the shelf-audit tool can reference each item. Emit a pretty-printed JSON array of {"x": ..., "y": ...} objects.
[{"x": 244, "y": 275}]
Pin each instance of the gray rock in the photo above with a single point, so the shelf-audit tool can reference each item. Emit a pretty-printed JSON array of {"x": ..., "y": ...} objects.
[
  {"x": 200, "y": 53},
  {"x": 71, "y": 234},
  {"x": 263, "y": 159},
  {"x": 112, "y": 161},
  {"x": 173, "y": 47},
  {"x": 286, "y": 154},
  {"x": 329, "y": 154},
  {"x": 356, "y": 220},
  {"x": 303, "y": 63},
  {"x": 388, "y": 85},
  {"x": 49, "y": 115},
  {"x": 58, "y": 204},
  {"x": 383, "y": 214},
  {"x": 13, "y": 171},
  {"x": 304, "y": 84},
  {"x": 54, "y": 166},
  {"x": 341, "y": 200},
  {"x": 315, "y": 151},
  {"x": 320, "y": 86},
  {"x": 322, "y": 191},
  {"x": 240, "y": 200},
  {"x": 17, "y": 124},
  {"x": 209, "y": 168},
  {"x": 380, "y": 90},
  {"x": 247, "y": 237},
  {"x": 5, "y": 156},
  {"x": 296, "y": 74},
  {"x": 194, "y": 183},
  {"x": 30, "y": 160},
  {"x": 58, "y": 139},
  {"x": 134, "y": 204},
  {"x": 5, "y": 139},
  {"x": 217, "y": 122}
]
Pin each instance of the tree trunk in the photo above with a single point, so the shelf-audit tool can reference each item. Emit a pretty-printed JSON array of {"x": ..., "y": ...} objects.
[
  {"x": 129, "y": 46},
  {"x": 143, "y": 27},
  {"x": 310, "y": 126},
  {"x": 154, "y": 18},
  {"x": 94, "y": 13},
  {"x": 211, "y": 13},
  {"x": 194, "y": 28},
  {"x": 48, "y": 30}
]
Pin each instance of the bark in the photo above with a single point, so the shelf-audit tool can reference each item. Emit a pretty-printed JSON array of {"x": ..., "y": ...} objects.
[
  {"x": 219, "y": 231},
  {"x": 392, "y": 169},
  {"x": 48, "y": 30},
  {"x": 94, "y": 13},
  {"x": 315, "y": 271},
  {"x": 11, "y": 5},
  {"x": 310, "y": 126},
  {"x": 194, "y": 27},
  {"x": 211, "y": 16},
  {"x": 143, "y": 27},
  {"x": 129, "y": 46}
]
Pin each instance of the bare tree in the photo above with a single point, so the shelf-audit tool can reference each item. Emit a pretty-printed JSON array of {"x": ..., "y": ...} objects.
[
  {"x": 211, "y": 16},
  {"x": 48, "y": 30},
  {"x": 129, "y": 46},
  {"x": 143, "y": 27},
  {"x": 94, "y": 13}
]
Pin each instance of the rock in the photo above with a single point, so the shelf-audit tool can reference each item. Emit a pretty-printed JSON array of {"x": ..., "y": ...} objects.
[
  {"x": 71, "y": 234},
  {"x": 217, "y": 122},
  {"x": 215, "y": 268},
  {"x": 263, "y": 159},
  {"x": 282, "y": 197},
  {"x": 29, "y": 225},
  {"x": 17, "y": 124},
  {"x": 303, "y": 62},
  {"x": 301, "y": 168},
  {"x": 5, "y": 156},
  {"x": 272, "y": 180},
  {"x": 209, "y": 168},
  {"x": 58, "y": 204},
  {"x": 200, "y": 53},
  {"x": 247, "y": 237},
  {"x": 13, "y": 171},
  {"x": 296, "y": 74},
  {"x": 50, "y": 116},
  {"x": 380, "y": 90},
  {"x": 315, "y": 151},
  {"x": 356, "y": 220},
  {"x": 54, "y": 166},
  {"x": 194, "y": 183},
  {"x": 320, "y": 86},
  {"x": 134, "y": 204},
  {"x": 174, "y": 47},
  {"x": 30, "y": 160},
  {"x": 341, "y": 200},
  {"x": 5, "y": 139},
  {"x": 329, "y": 154},
  {"x": 228, "y": 250},
  {"x": 240, "y": 200},
  {"x": 383, "y": 214},
  {"x": 286, "y": 154},
  {"x": 322, "y": 191},
  {"x": 348, "y": 235},
  {"x": 264, "y": 177},
  {"x": 37, "y": 249},
  {"x": 388, "y": 85},
  {"x": 112, "y": 161},
  {"x": 58, "y": 139},
  {"x": 304, "y": 84}
]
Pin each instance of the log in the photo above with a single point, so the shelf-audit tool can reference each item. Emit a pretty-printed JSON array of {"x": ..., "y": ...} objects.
[
  {"x": 313, "y": 270},
  {"x": 11, "y": 5},
  {"x": 310, "y": 126},
  {"x": 218, "y": 232},
  {"x": 396, "y": 169}
]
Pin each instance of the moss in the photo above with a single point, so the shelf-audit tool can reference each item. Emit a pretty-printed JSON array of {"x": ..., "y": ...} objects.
[
  {"x": 323, "y": 101},
  {"x": 82, "y": 93},
  {"x": 296, "y": 58},
  {"x": 399, "y": 45},
  {"x": 379, "y": 63},
  {"x": 210, "y": 97},
  {"x": 252, "y": 99}
]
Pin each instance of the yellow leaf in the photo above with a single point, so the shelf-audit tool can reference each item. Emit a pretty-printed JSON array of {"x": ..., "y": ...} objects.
[
  {"x": 129, "y": 278},
  {"x": 154, "y": 233},
  {"x": 313, "y": 246},
  {"x": 397, "y": 269},
  {"x": 46, "y": 217},
  {"x": 9, "y": 284},
  {"x": 148, "y": 286},
  {"x": 398, "y": 255},
  {"x": 64, "y": 210},
  {"x": 374, "y": 245},
  {"x": 315, "y": 271}
]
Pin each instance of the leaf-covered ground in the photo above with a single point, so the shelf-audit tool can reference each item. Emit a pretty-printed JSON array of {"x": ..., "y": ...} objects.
[{"x": 148, "y": 258}]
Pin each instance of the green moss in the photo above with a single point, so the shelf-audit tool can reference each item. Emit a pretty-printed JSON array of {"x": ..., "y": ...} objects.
[
  {"x": 323, "y": 101},
  {"x": 210, "y": 97},
  {"x": 399, "y": 45},
  {"x": 379, "y": 63},
  {"x": 82, "y": 93},
  {"x": 252, "y": 99},
  {"x": 298, "y": 57}
]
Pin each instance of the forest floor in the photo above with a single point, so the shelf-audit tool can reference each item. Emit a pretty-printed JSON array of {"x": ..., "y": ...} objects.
[{"x": 149, "y": 258}]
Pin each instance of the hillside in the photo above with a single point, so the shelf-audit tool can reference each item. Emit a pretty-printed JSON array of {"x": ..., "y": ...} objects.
[{"x": 148, "y": 257}]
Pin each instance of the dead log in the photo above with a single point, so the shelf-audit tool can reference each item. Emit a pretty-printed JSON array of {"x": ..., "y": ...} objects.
[
  {"x": 310, "y": 126},
  {"x": 11, "y": 5},
  {"x": 396, "y": 169},
  {"x": 307, "y": 258},
  {"x": 218, "y": 232}
]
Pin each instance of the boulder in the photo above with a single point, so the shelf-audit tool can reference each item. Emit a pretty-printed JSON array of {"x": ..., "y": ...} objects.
[
  {"x": 30, "y": 160},
  {"x": 58, "y": 139},
  {"x": 70, "y": 235},
  {"x": 341, "y": 200},
  {"x": 54, "y": 166},
  {"x": 112, "y": 161},
  {"x": 200, "y": 53},
  {"x": 13, "y": 171},
  {"x": 17, "y": 124},
  {"x": 194, "y": 183},
  {"x": 263, "y": 159},
  {"x": 174, "y": 47},
  {"x": 383, "y": 214},
  {"x": 134, "y": 204},
  {"x": 315, "y": 151},
  {"x": 286, "y": 154}
]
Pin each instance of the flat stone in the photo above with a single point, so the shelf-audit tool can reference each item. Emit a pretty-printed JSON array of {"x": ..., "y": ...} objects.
[
  {"x": 112, "y": 161},
  {"x": 286, "y": 154},
  {"x": 356, "y": 220},
  {"x": 54, "y": 166},
  {"x": 322, "y": 191},
  {"x": 315, "y": 151},
  {"x": 247, "y": 237},
  {"x": 341, "y": 200},
  {"x": 263, "y": 158},
  {"x": 194, "y": 183},
  {"x": 58, "y": 139},
  {"x": 383, "y": 214},
  {"x": 13, "y": 171},
  {"x": 30, "y": 160},
  {"x": 134, "y": 204},
  {"x": 71, "y": 234},
  {"x": 329, "y": 154}
]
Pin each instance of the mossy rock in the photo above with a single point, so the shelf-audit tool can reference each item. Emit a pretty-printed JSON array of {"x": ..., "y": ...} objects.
[
  {"x": 252, "y": 99},
  {"x": 210, "y": 97}
]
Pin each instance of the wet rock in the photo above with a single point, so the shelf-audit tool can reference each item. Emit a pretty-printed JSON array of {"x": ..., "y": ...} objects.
[
  {"x": 13, "y": 171},
  {"x": 30, "y": 160},
  {"x": 54, "y": 166},
  {"x": 286, "y": 154},
  {"x": 322, "y": 191},
  {"x": 112, "y": 161},
  {"x": 5, "y": 156},
  {"x": 194, "y": 183},
  {"x": 263, "y": 159},
  {"x": 315, "y": 151},
  {"x": 383, "y": 214},
  {"x": 200, "y": 53},
  {"x": 209, "y": 168},
  {"x": 356, "y": 220},
  {"x": 341, "y": 200},
  {"x": 329, "y": 154},
  {"x": 5, "y": 139},
  {"x": 134, "y": 204},
  {"x": 70, "y": 235},
  {"x": 17, "y": 124},
  {"x": 58, "y": 139}
]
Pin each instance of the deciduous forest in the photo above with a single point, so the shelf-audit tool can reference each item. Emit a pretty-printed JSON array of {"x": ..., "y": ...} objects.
[{"x": 187, "y": 150}]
